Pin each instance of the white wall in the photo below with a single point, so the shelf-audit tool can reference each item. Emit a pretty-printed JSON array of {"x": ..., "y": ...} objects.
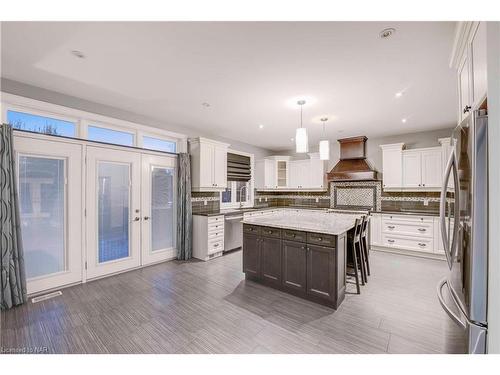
[
  {"x": 22, "y": 89},
  {"x": 493, "y": 51},
  {"x": 373, "y": 151}
]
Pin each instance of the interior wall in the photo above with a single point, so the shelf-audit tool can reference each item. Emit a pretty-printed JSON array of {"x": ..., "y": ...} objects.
[
  {"x": 493, "y": 55},
  {"x": 373, "y": 150},
  {"x": 37, "y": 93}
]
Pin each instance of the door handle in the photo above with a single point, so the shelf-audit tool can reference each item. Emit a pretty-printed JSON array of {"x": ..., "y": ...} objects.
[
  {"x": 137, "y": 218},
  {"x": 146, "y": 217},
  {"x": 450, "y": 313}
]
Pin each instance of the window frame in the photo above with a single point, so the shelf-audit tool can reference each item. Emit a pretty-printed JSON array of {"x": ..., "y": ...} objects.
[
  {"x": 250, "y": 193},
  {"x": 95, "y": 124},
  {"x": 142, "y": 134}
]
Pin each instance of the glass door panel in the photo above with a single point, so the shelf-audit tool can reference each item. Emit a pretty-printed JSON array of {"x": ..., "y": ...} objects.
[
  {"x": 113, "y": 211},
  {"x": 42, "y": 208},
  {"x": 158, "y": 207},
  {"x": 50, "y": 205}
]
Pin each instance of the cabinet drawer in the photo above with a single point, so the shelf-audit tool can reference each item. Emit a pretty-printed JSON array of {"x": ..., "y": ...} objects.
[
  {"x": 216, "y": 235},
  {"x": 248, "y": 228},
  {"x": 408, "y": 243},
  {"x": 321, "y": 239},
  {"x": 215, "y": 219},
  {"x": 219, "y": 227},
  {"x": 215, "y": 245},
  {"x": 294, "y": 235},
  {"x": 409, "y": 229},
  {"x": 270, "y": 232}
]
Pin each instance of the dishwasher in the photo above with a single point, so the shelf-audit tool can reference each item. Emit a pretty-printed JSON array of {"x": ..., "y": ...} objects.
[{"x": 233, "y": 231}]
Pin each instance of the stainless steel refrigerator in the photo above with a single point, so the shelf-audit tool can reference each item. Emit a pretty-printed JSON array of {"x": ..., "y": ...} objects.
[{"x": 463, "y": 293}]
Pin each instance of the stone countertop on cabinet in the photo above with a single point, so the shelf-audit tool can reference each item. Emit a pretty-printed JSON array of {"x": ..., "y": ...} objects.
[
  {"x": 414, "y": 213},
  {"x": 317, "y": 222},
  {"x": 236, "y": 211}
]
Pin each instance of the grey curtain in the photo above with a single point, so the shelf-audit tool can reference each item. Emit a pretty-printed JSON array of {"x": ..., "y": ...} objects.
[
  {"x": 13, "y": 279},
  {"x": 184, "y": 213}
]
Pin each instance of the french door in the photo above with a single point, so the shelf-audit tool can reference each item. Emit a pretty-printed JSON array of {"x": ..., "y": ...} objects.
[
  {"x": 158, "y": 208},
  {"x": 113, "y": 211},
  {"x": 50, "y": 203}
]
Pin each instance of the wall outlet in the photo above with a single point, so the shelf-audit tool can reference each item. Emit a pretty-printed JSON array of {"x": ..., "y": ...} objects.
[
  {"x": 265, "y": 199},
  {"x": 205, "y": 202},
  {"x": 260, "y": 200},
  {"x": 426, "y": 202},
  {"x": 317, "y": 200}
]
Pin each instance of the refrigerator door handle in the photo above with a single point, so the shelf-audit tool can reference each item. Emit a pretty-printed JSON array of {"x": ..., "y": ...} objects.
[
  {"x": 451, "y": 166},
  {"x": 450, "y": 313}
]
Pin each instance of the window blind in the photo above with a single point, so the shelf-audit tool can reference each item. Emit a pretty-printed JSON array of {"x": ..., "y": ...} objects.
[{"x": 238, "y": 167}]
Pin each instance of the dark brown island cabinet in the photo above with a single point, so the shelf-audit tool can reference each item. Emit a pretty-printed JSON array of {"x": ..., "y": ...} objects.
[{"x": 305, "y": 264}]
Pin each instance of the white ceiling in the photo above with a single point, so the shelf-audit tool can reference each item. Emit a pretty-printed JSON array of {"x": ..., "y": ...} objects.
[{"x": 248, "y": 72}]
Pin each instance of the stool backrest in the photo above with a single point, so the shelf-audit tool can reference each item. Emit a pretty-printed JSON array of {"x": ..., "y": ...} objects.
[
  {"x": 358, "y": 224},
  {"x": 365, "y": 225}
]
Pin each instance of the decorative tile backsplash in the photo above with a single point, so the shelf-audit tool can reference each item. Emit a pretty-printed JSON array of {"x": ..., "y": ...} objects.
[{"x": 356, "y": 195}]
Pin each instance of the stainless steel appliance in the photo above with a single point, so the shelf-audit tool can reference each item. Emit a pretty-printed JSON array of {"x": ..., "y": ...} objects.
[
  {"x": 464, "y": 229},
  {"x": 233, "y": 231}
]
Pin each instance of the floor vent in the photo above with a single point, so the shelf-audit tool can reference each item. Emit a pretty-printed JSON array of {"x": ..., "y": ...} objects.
[{"x": 46, "y": 296}]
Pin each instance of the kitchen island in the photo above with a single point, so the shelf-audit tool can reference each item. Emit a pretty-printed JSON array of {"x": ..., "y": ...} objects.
[{"x": 303, "y": 254}]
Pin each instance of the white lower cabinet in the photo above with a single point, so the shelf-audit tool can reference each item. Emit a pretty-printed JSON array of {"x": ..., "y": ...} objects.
[
  {"x": 208, "y": 236},
  {"x": 406, "y": 233}
]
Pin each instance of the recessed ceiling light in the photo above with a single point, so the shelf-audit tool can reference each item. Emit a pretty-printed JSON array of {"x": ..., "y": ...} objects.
[
  {"x": 386, "y": 33},
  {"x": 78, "y": 54},
  {"x": 399, "y": 94},
  {"x": 291, "y": 139},
  {"x": 403, "y": 120},
  {"x": 205, "y": 104},
  {"x": 261, "y": 126}
]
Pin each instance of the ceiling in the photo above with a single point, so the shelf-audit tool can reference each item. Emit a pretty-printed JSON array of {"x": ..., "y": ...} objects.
[{"x": 250, "y": 73}]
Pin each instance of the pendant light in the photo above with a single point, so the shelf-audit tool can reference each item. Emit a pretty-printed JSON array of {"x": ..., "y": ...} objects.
[
  {"x": 301, "y": 141},
  {"x": 324, "y": 145}
]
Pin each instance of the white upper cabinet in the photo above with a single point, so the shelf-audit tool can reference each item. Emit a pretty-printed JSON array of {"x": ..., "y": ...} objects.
[
  {"x": 281, "y": 173},
  {"x": 415, "y": 170},
  {"x": 469, "y": 59},
  {"x": 392, "y": 170},
  {"x": 412, "y": 169},
  {"x": 432, "y": 167},
  {"x": 208, "y": 164}
]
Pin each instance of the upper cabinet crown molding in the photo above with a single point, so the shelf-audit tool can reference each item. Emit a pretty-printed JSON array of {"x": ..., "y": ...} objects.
[
  {"x": 393, "y": 146},
  {"x": 207, "y": 140},
  {"x": 463, "y": 34}
]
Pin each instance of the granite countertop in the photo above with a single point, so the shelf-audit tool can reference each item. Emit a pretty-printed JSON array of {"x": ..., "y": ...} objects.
[
  {"x": 417, "y": 213},
  {"x": 236, "y": 211},
  {"x": 317, "y": 222}
]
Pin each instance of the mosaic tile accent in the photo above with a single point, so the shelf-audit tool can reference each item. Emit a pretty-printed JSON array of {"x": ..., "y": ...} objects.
[
  {"x": 356, "y": 194},
  {"x": 201, "y": 199},
  {"x": 294, "y": 196}
]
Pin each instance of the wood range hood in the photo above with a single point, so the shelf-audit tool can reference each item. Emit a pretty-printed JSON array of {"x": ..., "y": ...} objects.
[{"x": 352, "y": 165}]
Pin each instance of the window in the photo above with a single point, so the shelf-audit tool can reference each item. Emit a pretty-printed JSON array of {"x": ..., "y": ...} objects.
[
  {"x": 116, "y": 137},
  {"x": 158, "y": 144},
  {"x": 236, "y": 193},
  {"x": 40, "y": 124}
]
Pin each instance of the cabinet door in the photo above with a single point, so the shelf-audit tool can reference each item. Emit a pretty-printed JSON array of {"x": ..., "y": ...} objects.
[
  {"x": 478, "y": 63},
  {"x": 294, "y": 265},
  {"x": 376, "y": 230},
  {"x": 295, "y": 174},
  {"x": 392, "y": 168},
  {"x": 316, "y": 174},
  {"x": 251, "y": 255},
  {"x": 282, "y": 173},
  {"x": 432, "y": 168},
  {"x": 270, "y": 174},
  {"x": 463, "y": 88},
  {"x": 271, "y": 260},
  {"x": 220, "y": 166},
  {"x": 206, "y": 165},
  {"x": 412, "y": 175},
  {"x": 320, "y": 271}
]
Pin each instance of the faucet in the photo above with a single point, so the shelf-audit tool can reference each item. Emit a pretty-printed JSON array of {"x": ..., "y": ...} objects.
[{"x": 241, "y": 188}]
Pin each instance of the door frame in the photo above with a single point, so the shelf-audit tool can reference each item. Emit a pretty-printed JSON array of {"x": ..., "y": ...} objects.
[
  {"x": 148, "y": 162},
  {"x": 94, "y": 155},
  {"x": 72, "y": 153}
]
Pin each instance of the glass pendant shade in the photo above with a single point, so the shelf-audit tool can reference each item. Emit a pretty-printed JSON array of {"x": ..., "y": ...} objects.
[
  {"x": 301, "y": 141},
  {"x": 324, "y": 150}
]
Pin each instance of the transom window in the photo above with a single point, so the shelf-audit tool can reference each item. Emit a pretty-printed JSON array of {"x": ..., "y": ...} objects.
[
  {"x": 158, "y": 144},
  {"x": 96, "y": 133},
  {"x": 40, "y": 124}
]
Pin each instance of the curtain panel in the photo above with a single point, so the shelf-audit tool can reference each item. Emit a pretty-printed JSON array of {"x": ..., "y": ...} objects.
[
  {"x": 13, "y": 277},
  {"x": 184, "y": 212}
]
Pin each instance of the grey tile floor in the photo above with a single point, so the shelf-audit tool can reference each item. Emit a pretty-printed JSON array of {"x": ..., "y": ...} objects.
[{"x": 208, "y": 307}]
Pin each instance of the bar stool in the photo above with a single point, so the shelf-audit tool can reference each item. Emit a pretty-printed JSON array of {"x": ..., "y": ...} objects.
[
  {"x": 353, "y": 251},
  {"x": 365, "y": 244}
]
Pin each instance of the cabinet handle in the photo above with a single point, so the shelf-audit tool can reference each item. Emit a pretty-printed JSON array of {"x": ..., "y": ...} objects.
[
  {"x": 467, "y": 108},
  {"x": 391, "y": 226},
  {"x": 137, "y": 218},
  {"x": 146, "y": 217},
  {"x": 216, "y": 245},
  {"x": 422, "y": 229},
  {"x": 422, "y": 244},
  {"x": 391, "y": 241},
  {"x": 423, "y": 184},
  {"x": 419, "y": 184},
  {"x": 269, "y": 231}
]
